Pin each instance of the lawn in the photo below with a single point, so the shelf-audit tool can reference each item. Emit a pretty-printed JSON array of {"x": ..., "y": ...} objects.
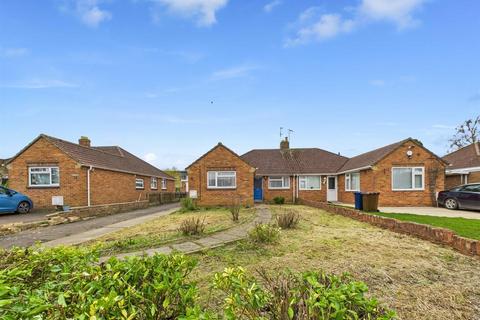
[
  {"x": 164, "y": 230},
  {"x": 468, "y": 228},
  {"x": 418, "y": 279}
]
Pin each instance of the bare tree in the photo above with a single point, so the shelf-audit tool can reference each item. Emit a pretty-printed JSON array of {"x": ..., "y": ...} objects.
[{"x": 466, "y": 134}]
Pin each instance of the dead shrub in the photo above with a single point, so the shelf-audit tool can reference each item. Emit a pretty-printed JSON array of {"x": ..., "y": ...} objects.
[
  {"x": 288, "y": 220},
  {"x": 235, "y": 208},
  {"x": 192, "y": 226}
]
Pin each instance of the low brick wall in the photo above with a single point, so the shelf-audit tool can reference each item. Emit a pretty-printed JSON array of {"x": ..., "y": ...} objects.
[{"x": 422, "y": 231}]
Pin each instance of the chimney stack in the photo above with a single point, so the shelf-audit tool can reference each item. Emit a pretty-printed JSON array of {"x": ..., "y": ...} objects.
[
  {"x": 84, "y": 141},
  {"x": 285, "y": 144}
]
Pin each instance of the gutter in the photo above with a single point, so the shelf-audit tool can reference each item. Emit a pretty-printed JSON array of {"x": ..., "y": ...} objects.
[
  {"x": 354, "y": 170},
  {"x": 462, "y": 170}
]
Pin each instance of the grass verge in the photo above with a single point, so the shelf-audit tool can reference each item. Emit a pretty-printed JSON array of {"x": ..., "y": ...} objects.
[{"x": 468, "y": 228}]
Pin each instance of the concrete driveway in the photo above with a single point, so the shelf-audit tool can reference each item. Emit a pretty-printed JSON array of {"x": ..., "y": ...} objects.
[
  {"x": 433, "y": 211},
  {"x": 7, "y": 218}
]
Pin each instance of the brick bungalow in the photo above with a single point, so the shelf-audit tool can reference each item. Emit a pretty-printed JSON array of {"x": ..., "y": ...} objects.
[
  {"x": 83, "y": 175},
  {"x": 464, "y": 166},
  {"x": 220, "y": 177},
  {"x": 405, "y": 173}
]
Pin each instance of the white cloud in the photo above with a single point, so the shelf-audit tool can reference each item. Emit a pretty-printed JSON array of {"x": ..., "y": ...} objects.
[
  {"x": 233, "y": 72},
  {"x": 40, "y": 84},
  {"x": 88, "y": 11},
  {"x": 150, "y": 157},
  {"x": 271, "y": 5},
  {"x": 203, "y": 11},
  {"x": 315, "y": 26},
  {"x": 13, "y": 52},
  {"x": 443, "y": 126},
  {"x": 377, "y": 83}
]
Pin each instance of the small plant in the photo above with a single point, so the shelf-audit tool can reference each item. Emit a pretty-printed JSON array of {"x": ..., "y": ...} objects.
[
  {"x": 279, "y": 200},
  {"x": 288, "y": 220},
  {"x": 234, "y": 208},
  {"x": 264, "y": 233},
  {"x": 192, "y": 226},
  {"x": 306, "y": 296},
  {"x": 188, "y": 204}
]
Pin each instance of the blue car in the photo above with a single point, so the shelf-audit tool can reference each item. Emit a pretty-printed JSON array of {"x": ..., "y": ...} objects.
[{"x": 13, "y": 201}]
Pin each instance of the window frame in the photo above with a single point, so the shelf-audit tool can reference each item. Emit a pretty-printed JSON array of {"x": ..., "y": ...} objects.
[
  {"x": 216, "y": 186},
  {"x": 348, "y": 177},
  {"x": 164, "y": 184},
  {"x": 277, "y": 178},
  {"x": 306, "y": 182},
  {"x": 413, "y": 179},
  {"x": 136, "y": 184},
  {"x": 154, "y": 186},
  {"x": 50, "y": 185}
]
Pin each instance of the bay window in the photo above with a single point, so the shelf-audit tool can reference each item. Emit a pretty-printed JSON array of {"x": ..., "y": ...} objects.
[
  {"x": 221, "y": 179},
  {"x": 408, "y": 178},
  {"x": 309, "y": 182},
  {"x": 43, "y": 176},
  {"x": 352, "y": 181},
  {"x": 279, "y": 182}
]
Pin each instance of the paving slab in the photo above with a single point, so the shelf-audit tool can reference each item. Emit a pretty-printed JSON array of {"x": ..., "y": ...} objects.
[{"x": 186, "y": 246}]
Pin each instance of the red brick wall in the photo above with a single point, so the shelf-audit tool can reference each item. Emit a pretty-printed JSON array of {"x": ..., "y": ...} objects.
[
  {"x": 72, "y": 177},
  {"x": 453, "y": 181},
  {"x": 220, "y": 159},
  {"x": 379, "y": 178},
  {"x": 106, "y": 186}
]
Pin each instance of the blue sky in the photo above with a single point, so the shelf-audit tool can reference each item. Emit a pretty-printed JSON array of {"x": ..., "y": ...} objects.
[{"x": 168, "y": 79}]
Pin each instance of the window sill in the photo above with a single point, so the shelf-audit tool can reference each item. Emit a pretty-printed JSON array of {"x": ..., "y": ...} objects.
[
  {"x": 352, "y": 191},
  {"x": 279, "y": 188},
  {"x": 310, "y": 189},
  {"x": 139, "y": 188},
  {"x": 43, "y": 187},
  {"x": 221, "y": 188},
  {"x": 403, "y": 190},
  {"x": 153, "y": 188}
]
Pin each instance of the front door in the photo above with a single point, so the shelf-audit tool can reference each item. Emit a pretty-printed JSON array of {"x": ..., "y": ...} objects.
[
  {"x": 257, "y": 189},
  {"x": 332, "y": 188}
]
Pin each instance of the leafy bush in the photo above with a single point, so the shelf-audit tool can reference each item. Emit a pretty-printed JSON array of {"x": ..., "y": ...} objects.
[
  {"x": 192, "y": 226},
  {"x": 279, "y": 200},
  {"x": 188, "y": 204},
  {"x": 288, "y": 220},
  {"x": 264, "y": 233},
  {"x": 69, "y": 283},
  {"x": 235, "y": 208},
  {"x": 307, "y": 296}
]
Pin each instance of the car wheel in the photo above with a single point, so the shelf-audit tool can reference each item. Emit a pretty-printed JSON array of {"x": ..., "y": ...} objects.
[
  {"x": 451, "y": 204},
  {"x": 23, "y": 207}
]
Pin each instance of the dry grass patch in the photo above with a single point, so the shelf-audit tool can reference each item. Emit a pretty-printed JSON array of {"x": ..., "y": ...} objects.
[
  {"x": 418, "y": 279},
  {"x": 166, "y": 229}
]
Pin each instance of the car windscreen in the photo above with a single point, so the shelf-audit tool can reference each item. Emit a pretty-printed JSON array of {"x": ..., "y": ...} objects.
[{"x": 471, "y": 188}]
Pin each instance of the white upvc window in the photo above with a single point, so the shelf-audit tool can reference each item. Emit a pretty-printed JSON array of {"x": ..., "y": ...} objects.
[
  {"x": 310, "y": 182},
  {"x": 154, "y": 184},
  {"x": 139, "y": 183},
  {"x": 279, "y": 182},
  {"x": 221, "y": 179},
  {"x": 408, "y": 178},
  {"x": 164, "y": 184},
  {"x": 43, "y": 177},
  {"x": 352, "y": 181}
]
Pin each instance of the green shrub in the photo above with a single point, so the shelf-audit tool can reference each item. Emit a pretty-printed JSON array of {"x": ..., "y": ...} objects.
[
  {"x": 279, "y": 200},
  {"x": 68, "y": 283},
  {"x": 288, "y": 220},
  {"x": 264, "y": 233},
  {"x": 188, "y": 204},
  {"x": 307, "y": 296},
  {"x": 192, "y": 226}
]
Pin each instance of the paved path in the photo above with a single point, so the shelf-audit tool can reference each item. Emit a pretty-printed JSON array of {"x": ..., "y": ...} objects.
[
  {"x": 433, "y": 211},
  {"x": 7, "y": 218},
  {"x": 215, "y": 240},
  {"x": 46, "y": 234}
]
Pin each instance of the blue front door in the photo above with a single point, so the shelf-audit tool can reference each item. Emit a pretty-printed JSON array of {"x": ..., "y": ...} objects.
[{"x": 257, "y": 189}]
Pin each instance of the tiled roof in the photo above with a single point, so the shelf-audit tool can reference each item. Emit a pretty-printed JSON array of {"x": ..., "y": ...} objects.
[
  {"x": 370, "y": 158},
  {"x": 294, "y": 161},
  {"x": 108, "y": 157},
  {"x": 466, "y": 157}
]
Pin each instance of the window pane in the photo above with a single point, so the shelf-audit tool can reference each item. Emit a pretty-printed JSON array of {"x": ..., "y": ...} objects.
[
  {"x": 303, "y": 183},
  {"x": 40, "y": 179},
  {"x": 313, "y": 182},
  {"x": 418, "y": 181},
  {"x": 226, "y": 181},
  {"x": 402, "y": 178},
  {"x": 286, "y": 182},
  {"x": 211, "y": 179},
  {"x": 355, "y": 181},
  {"x": 276, "y": 183},
  {"x": 55, "y": 177}
]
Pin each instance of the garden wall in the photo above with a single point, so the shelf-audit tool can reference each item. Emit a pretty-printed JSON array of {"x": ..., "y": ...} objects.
[{"x": 422, "y": 231}]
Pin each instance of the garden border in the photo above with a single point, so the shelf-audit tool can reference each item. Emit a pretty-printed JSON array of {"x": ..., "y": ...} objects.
[{"x": 426, "y": 232}]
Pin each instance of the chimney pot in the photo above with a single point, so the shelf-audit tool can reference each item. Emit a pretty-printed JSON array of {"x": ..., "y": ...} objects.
[
  {"x": 285, "y": 144},
  {"x": 84, "y": 141}
]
